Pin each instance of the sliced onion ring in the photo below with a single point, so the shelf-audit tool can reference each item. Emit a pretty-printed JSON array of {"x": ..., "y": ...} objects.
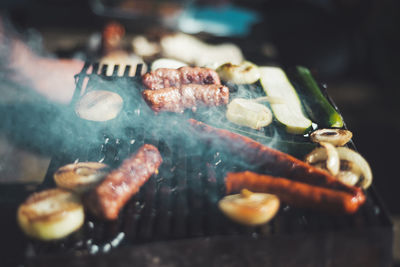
[
  {"x": 352, "y": 156},
  {"x": 337, "y": 137},
  {"x": 358, "y": 165},
  {"x": 348, "y": 177},
  {"x": 333, "y": 161},
  {"x": 328, "y": 154}
]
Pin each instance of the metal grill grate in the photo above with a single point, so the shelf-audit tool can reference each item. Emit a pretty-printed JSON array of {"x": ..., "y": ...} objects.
[{"x": 180, "y": 202}]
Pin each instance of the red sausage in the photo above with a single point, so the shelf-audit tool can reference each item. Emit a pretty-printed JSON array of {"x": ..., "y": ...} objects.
[
  {"x": 294, "y": 193},
  {"x": 274, "y": 161},
  {"x": 107, "y": 199}
]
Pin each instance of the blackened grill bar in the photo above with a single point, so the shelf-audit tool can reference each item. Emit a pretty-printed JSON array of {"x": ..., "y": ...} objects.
[{"x": 174, "y": 218}]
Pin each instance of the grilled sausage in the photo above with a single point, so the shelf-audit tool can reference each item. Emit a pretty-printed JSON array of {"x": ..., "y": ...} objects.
[
  {"x": 274, "y": 161},
  {"x": 294, "y": 193},
  {"x": 175, "y": 99},
  {"x": 107, "y": 199},
  {"x": 165, "y": 78}
]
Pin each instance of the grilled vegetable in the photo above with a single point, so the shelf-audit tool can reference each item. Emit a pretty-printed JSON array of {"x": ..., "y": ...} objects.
[
  {"x": 337, "y": 137},
  {"x": 51, "y": 214},
  {"x": 275, "y": 162},
  {"x": 244, "y": 73},
  {"x": 350, "y": 161},
  {"x": 317, "y": 106},
  {"x": 81, "y": 176},
  {"x": 248, "y": 113},
  {"x": 290, "y": 114},
  {"x": 250, "y": 208},
  {"x": 361, "y": 165},
  {"x": 167, "y": 63},
  {"x": 332, "y": 161},
  {"x": 99, "y": 105}
]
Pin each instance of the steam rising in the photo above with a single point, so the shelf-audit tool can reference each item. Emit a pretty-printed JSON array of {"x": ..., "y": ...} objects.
[{"x": 52, "y": 129}]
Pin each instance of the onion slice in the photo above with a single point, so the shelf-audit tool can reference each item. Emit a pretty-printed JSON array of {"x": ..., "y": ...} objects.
[
  {"x": 359, "y": 162},
  {"x": 333, "y": 161},
  {"x": 244, "y": 73},
  {"x": 328, "y": 154},
  {"x": 51, "y": 214},
  {"x": 81, "y": 176},
  {"x": 248, "y": 113},
  {"x": 337, "y": 137},
  {"x": 350, "y": 162}
]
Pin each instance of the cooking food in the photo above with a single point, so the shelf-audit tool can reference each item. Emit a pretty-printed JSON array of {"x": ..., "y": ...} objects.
[
  {"x": 143, "y": 47},
  {"x": 337, "y": 137},
  {"x": 275, "y": 162},
  {"x": 165, "y": 78},
  {"x": 332, "y": 160},
  {"x": 81, "y": 176},
  {"x": 297, "y": 194},
  {"x": 167, "y": 63},
  {"x": 250, "y": 208},
  {"x": 193, "y": 51},
  {"x": 316, "y": 104},
  {"x": 243, "y": 73},
  {"x": 246, "y": 112},
  {"x": 353, "y": 162},
  {"x": 107, "y": 199},
  {"x": 51, "y": 214},
  {"x": 290, "y": 114},
  {"x": 176, "y": 99},
  {"x": 99, "y": 105}
]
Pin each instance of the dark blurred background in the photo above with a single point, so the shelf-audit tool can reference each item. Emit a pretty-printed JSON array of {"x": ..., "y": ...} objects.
[{"x": 352, "y": 46}]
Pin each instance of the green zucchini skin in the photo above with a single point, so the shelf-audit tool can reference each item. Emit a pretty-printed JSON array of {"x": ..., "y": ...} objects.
[{"x": 315, "y": 103}]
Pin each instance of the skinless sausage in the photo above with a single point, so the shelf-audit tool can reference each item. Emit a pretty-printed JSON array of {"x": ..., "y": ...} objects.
[
  {"x": 165, "y": 78},
  {"x": 107, "y": 199},
  {"x": 176, "y": 99}
]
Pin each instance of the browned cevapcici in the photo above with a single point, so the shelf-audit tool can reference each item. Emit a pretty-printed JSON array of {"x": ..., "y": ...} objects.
[
  {"x": 107, "y": 199},
  {"x": 174, "y": 99},
  {"x": 166, "y": 78},
  {"x": 275, "y": 162}
]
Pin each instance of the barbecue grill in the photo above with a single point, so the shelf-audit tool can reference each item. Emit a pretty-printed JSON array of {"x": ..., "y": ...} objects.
[{"x": 174, "y": 219}]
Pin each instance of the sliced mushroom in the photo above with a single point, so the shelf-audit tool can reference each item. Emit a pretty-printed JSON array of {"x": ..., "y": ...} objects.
[
  {"x": 81, "y": 176},
  {"x": 99, "y": 105},
  {"x": 250, "y": 208},
  {"x": 51, "y": 214},
  {"x": 337, "y": 137}
]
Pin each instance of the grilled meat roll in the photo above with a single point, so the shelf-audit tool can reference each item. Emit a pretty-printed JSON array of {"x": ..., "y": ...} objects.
[
  {"x": 165, "y": 78},
  {"x": 107, "y": 199},
  {"x": 176, "y": 99}
]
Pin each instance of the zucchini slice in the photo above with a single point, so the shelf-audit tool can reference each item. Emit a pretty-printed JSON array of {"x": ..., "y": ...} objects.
[{"x": 290, "y": 114}]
